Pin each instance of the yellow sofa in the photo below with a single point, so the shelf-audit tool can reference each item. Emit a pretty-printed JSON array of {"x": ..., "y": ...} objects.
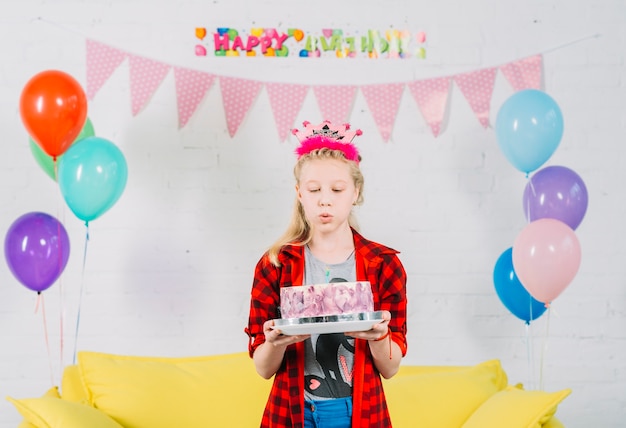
[{"x": 112, "y": 391}]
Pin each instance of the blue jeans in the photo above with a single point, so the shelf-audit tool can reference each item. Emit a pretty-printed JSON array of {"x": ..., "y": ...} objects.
[{"x": 335, "y": 413}]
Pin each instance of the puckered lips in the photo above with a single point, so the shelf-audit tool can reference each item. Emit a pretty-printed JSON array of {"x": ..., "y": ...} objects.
[{"x": 325, "y": 217}]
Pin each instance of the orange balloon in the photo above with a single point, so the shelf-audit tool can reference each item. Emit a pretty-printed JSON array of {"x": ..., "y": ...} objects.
[{"x": 53, "y": 107}]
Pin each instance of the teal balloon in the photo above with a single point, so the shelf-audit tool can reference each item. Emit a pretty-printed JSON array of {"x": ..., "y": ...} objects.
[
  {"x": 512, "y": 293},
  {"x": 92, "y": 176},
  {"x": 529, "y": 128}
]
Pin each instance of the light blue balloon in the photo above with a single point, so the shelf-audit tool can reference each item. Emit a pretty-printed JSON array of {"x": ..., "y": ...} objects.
[
  {"x": 529, "y": 128},
  {"x": 92, "y": 175}
]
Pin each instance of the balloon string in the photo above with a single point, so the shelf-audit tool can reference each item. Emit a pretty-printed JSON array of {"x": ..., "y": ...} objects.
[
  {"x": 531, "y": 359},
  {"x": 528, "y": 352},
  {"x": 61, "y": 330},
  {"x": 531, "y": 366},
  {"x": 40, "y": 301},
  {"x": 82, "y": 287},
  {"x": 545, "y": 347},
  {"x": 61, "y": 302},
  {"x": 60, "y": 212},
  {"x": 532, "y": 189}
]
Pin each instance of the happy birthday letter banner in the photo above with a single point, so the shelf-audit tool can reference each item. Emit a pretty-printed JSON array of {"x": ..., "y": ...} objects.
[{"x": 335, "y": 101}]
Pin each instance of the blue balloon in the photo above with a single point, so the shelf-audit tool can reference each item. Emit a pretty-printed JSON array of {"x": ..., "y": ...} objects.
[
  {"x": 92, "y": 175},
  {"x": 529, "y": 128},
  {"x": 511, "y": 291}
]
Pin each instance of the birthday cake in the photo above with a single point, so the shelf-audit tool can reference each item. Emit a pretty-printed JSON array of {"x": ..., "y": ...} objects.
[{"x": 317, "y": 300}]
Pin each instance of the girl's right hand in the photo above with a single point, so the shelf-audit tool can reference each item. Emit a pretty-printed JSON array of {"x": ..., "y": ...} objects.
[{"x": 275, "y": 337}]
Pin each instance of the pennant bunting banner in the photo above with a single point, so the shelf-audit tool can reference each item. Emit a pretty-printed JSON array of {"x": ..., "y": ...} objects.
[
  {"x": 237, "y": 96},
  {"x": 102, "y": 61},
  {"x": 191, "y": 86},
  {"x": 525, "y": 73},
  {"x": 431, "y": 96},
  {"x": 146, "y": 76},
  {"x": 383, "y": 101},
  {"x": 285, "y": 102},
  {"x": 334, "y": 101},
  {"x": 477, "y": 87}
]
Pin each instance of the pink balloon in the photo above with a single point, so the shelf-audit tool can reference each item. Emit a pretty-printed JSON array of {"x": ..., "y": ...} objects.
[{"x": 546, "y": 258}]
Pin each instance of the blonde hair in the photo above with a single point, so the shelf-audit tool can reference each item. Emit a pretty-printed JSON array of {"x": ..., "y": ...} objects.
[{"x": 299, "y": 230}]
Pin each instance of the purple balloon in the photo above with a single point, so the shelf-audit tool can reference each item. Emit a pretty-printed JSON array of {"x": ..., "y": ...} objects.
[
  {"x": 556, "y": 192},
  {"x": 36, "y": 248}
]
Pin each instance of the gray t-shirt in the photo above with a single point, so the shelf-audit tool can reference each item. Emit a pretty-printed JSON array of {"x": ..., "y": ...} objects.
[{"x": 329, "y": 358}]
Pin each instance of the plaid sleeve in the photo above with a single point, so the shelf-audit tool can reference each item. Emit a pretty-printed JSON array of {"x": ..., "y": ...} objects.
[
  {"x": 392, "y": 291},
  {"x": 264, "y": 301}
]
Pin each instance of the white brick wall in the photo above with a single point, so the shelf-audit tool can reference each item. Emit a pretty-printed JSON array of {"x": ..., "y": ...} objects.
[{"x": 168, "y": 269}]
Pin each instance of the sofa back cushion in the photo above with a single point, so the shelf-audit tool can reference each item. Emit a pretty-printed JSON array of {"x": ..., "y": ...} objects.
[
  {"x": 440, "y": 397},
  {"x": 155, "y": 392}
]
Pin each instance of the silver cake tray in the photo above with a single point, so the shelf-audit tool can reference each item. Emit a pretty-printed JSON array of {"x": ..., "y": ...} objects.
[{"x": 361, "y": 321}]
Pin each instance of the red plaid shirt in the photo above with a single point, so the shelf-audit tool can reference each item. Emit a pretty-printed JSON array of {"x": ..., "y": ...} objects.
[{"x": 374, "y": 263}]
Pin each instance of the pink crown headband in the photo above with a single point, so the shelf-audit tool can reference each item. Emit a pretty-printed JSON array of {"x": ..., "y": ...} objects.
[{"x": 327, "y": 136}]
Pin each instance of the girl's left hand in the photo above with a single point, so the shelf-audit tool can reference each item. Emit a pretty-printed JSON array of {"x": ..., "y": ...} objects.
[{"x": 378, "y": 331}]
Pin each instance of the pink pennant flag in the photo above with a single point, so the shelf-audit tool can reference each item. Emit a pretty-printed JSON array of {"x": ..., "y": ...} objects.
[
  {"x": 477, "y": 87},
  {"x": 285, "y": 102},
  {"x": 102, "y": 61},
  {"x": 431, "y": 96},
  {"x": 525, "y": 73},
  {"x": 383, "y": 101},
  {"x": 237, "y": 96},
  {"x": 145, "y": 77},
  {"x": 191, "y": 86},
  {"x": 335, "y": 101}
]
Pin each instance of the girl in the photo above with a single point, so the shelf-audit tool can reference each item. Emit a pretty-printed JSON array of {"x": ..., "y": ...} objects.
[{"x": 327, "y": 380}]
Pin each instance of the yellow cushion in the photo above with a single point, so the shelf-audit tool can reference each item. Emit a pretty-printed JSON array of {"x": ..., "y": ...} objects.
[
  {"x": 26, "y": 424},
  {"x": 553, "y": 422},
  {"x": 52, "y": 412},
  {"x": 154, "y": 392},
  {"x": 52, "y": 392},
  {"x": 72, "y": 388},
  {"x": 516, "y": 408},
  {"x": 444, "y": 398}
]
